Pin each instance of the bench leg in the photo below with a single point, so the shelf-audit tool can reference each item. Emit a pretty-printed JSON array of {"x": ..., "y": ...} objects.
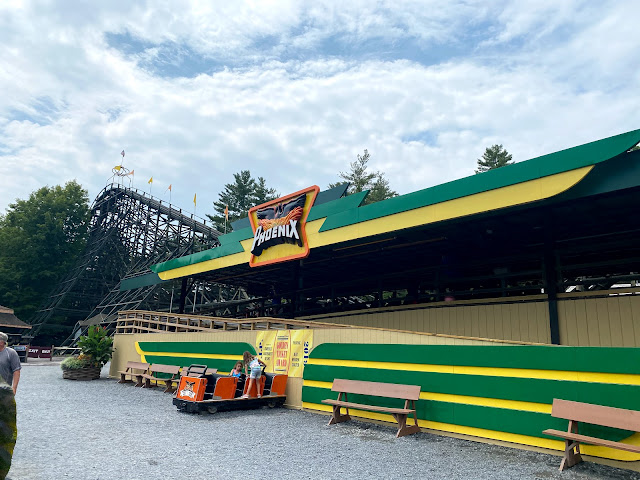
[
  {"x": 147, "y": 383},
  {"x": 403, "y": 429},
  {"x": 170, "y": 388},
  {"x": 571, "y": 458},
  {"x": 138, "y": 380},
  {"x": 337, "y": 417},
  {"x": 123, "y": 378}
]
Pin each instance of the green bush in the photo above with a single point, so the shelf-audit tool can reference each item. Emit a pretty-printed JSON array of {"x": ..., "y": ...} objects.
[
  {"x": 96, "y": 345},
  {"x": 76, "y": 363}
]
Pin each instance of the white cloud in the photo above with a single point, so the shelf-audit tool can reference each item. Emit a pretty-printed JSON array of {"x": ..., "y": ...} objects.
[{"x": 297, "y": 92}]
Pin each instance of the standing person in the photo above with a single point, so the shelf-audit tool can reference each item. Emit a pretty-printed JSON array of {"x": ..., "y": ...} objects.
[
  {"x": 8, "y": 431},
  {"x": 9, "y": 363},
  {"x": 255, "y": 364}
]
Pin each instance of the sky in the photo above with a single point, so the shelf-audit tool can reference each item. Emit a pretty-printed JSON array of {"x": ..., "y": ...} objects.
[{"x": 294, "y": 91}]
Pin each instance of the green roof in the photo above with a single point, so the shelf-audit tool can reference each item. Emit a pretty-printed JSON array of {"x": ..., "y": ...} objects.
[
  {"x": 348, "y": 210},
  {"x": 551, "y": 164}
]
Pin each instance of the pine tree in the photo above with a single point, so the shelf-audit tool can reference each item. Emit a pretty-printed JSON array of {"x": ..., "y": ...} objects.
[
  {"x": 494, "y": 157},
  {"x": 360, "y": 179},
  {"x": 245, "y": 192}
]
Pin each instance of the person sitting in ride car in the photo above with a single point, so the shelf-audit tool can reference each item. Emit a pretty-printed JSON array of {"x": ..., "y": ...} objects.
[
  {"x": 237, "y": 370},
  {"x": 255, "y": 365}
]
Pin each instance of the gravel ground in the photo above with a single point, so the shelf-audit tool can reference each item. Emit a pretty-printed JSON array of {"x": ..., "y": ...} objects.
[{"x": 104, "y": 430}]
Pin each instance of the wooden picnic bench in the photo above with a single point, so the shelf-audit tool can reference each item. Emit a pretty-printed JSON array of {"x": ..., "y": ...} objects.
[
  {"x": 168, "y": 375},
  {"x": 577, "y": 412},
  {"x": 408, "y": 393},
  {"x": 134, "y": 370}
]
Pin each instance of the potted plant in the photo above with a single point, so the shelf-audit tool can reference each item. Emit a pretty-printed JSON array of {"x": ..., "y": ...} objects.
[{"x": 96, "y": 348}]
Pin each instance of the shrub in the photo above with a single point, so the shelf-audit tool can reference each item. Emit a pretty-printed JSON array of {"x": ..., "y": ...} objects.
[
  {"x": 76, "y": 363},
  {"x": 96, "y": 345}
]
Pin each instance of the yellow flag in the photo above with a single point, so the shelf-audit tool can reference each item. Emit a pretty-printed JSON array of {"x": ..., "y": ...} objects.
[
  {"x": 194, "y": 199},
  {"x": 117, "y": 168},
  {"x": 150, "y": 180}
]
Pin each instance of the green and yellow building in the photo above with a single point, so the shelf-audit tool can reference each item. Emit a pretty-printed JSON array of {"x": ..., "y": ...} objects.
[{"x": 496, "y": 293}]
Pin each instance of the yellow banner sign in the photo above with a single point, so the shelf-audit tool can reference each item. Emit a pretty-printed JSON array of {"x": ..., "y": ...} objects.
[
  {"x": 282, "y": 352},
  {"x": 265, "y": 341},
  {"x": 285, "y": 351},
  {"x": 301, "y": 344}
]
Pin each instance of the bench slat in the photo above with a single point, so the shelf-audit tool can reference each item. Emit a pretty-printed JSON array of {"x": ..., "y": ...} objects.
[
  {"x": 387, "y": 390},
  {"x": 592, "y": 440},
  {"x": 596, "y": 414},
  {"x": 361, "y": 406},
  {"x": 160, "y": 368}
]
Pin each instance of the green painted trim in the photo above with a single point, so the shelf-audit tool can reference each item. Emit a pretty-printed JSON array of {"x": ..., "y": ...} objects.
[
  {"x": 211, "y": 254},
  {"x": 538, "y": 357},
  {"x": 497, "y": 419},
  {"x": 336, "y": 206},
  {"x": 551, "y": 164},
  {"x": 220, "y": 364},
  {"x": 502, "y": 388},
  {"x": 141, "y": 281},
  {"x": 237, "y": 236},
  {"x": 210, "y": 348}
]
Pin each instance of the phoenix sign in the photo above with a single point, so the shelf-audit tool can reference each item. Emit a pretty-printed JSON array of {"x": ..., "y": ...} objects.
[{"x": 278, "y": 226}]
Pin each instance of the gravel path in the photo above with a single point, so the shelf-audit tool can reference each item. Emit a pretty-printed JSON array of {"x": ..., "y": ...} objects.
[{"x": 104, "y": 430}]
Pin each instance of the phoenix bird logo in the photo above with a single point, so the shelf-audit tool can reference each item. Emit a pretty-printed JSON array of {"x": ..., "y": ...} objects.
[
  {"x": 278, "y": 224},
  {"x": 281, "y": 214}
]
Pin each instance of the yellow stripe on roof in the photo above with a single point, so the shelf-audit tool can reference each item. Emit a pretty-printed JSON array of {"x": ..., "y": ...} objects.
[{"x": 511, "y": 195}]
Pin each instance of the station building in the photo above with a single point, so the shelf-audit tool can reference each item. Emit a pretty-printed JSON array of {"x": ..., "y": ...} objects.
[{"x": 497, "y": 292}]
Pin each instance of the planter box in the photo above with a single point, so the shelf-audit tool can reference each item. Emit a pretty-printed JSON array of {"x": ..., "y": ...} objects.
[{"x": 87, "y": 373}]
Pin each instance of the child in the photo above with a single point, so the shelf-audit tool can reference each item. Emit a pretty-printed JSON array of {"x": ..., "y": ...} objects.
[
  {"x": 237, "y": 370},
  {"x": 255, "y": 364}
]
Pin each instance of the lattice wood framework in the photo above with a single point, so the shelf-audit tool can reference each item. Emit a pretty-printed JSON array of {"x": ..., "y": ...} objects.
[{"x": 129, "y": 231}]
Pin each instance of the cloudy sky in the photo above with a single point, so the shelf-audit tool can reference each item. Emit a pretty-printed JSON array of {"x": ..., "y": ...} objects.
[{"x": 292, "y": 91}]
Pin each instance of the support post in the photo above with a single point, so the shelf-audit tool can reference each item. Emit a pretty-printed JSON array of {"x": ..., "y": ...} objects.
[
  {"x": 183, "y": 295},
  {"x": 551, "y": 289}
]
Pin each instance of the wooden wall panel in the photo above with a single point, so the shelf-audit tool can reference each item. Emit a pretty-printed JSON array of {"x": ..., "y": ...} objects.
[
  {"x": 612, "y": 321},
  {"x": 522, "y": 321}
]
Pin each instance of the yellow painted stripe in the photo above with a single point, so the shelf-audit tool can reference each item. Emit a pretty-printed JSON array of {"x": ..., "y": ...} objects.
[
  {"x": 140, "y": 352},
  {"x": 190, "y": 355},
  {"x": 591, "y": 450},
  {"x": 504, "y": 197},
  {"x": 509, "y": 196},
  {"x": 317, "y": 384},
  {"x": 487, "y": 402},
  {"x": 618, "y": 378},
  {"x": 215, "y": 264},
  {"x": 463, "y": 399}
]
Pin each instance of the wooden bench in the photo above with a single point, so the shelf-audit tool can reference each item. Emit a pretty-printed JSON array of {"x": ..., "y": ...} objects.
[
  {"x": 408, "y": 393},
  {"x": 158, "y": 368},
  {"x": 134, "y": 370},
  {"x": 577, "y": 412}
]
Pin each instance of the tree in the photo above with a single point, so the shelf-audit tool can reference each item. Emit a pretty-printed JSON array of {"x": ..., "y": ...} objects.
[
  {"x": 40, "y": 239},
  {"x": 494, "y": 157},
  {"x": 240, "y": 196},
  {"x": 360, "y": 179}
]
